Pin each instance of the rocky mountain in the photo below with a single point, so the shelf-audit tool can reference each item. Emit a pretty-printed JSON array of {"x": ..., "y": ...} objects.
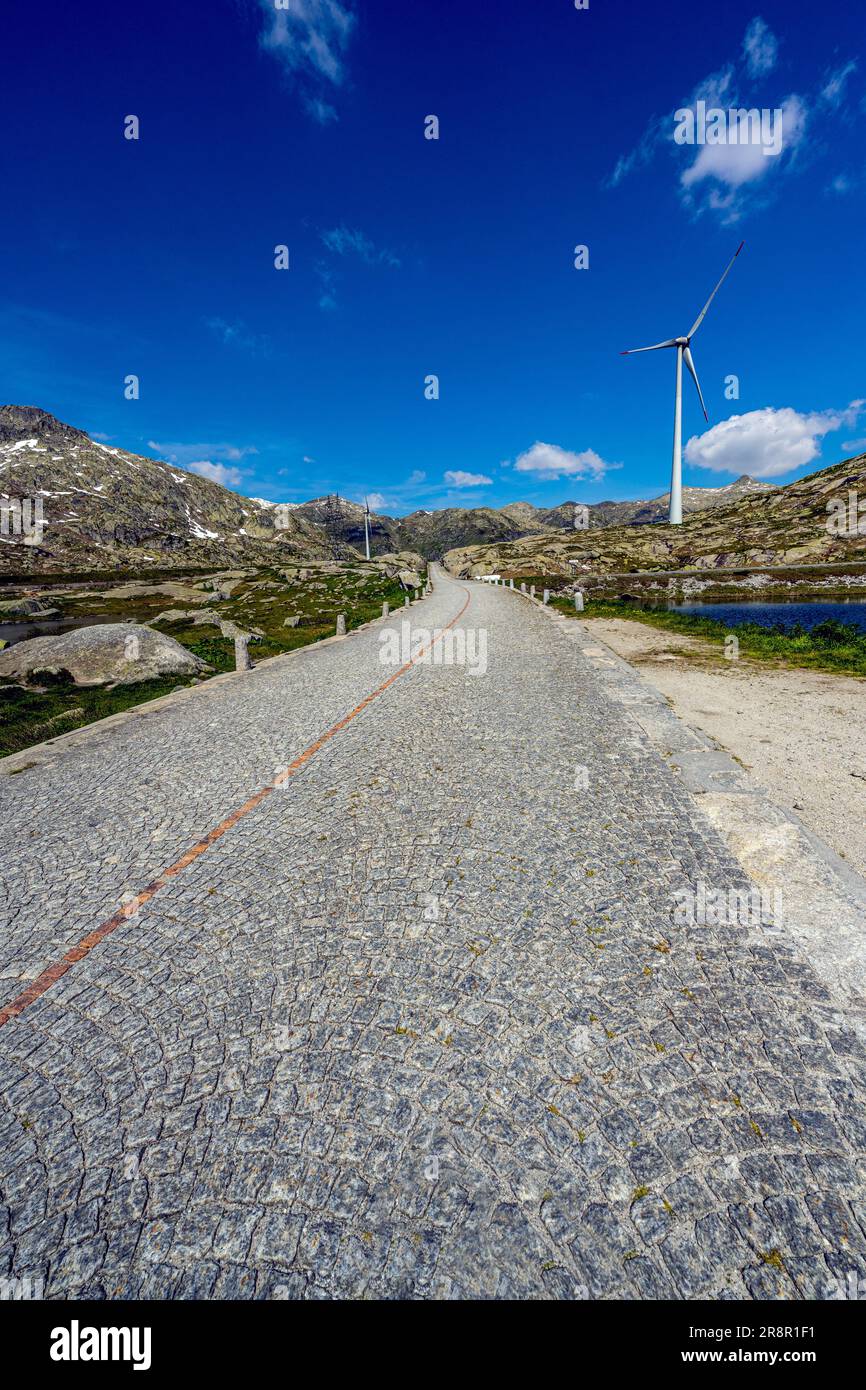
[
  {"x": 433, "y": 533},
  {"x": 105, "y": 508},
  {"x": 343, "y": 521},
  {"x": 788, "y": 525},
  {"x": 640, "y": 512},
  {"x": 428, "y": 533}
]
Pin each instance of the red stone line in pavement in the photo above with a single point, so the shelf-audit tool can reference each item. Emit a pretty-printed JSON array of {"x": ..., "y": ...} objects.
[{"x": 55, "y": 972}]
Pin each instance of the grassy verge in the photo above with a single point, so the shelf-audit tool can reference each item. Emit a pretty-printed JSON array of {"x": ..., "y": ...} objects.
[
  {"x": 831, "y": 646},
  {"x": 32, "y": 716},
  {"x": 262, "y": 603}
]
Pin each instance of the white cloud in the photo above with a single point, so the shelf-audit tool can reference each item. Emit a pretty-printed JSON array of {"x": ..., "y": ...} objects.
[
  {"x": 760, "y": 48},
  {"x": 736, "y": 164},
  {"x": 309, "y": 36},
  {"x": 767, "y": 443},
  {"x": 398, "y": 493},
  {"x": 328, "y": 281},
  {"x": 729, "y": 179},
  {"x": 217, "y": 472},
  {"x": 550, "y": 461},
  {"x": 346, "y": 241},
  {"x": 321, "y": 111},
  {"x": 182, "y": 453},
  {"x": 842, "y": 184},
  {"x": 716, "y": 90},
  {"x": 310, "y": 39},
  {"x": 854, "y": 446},
  {"x": 237, "y": 335},
  {"x": 833, "y": 90},
  {"x": 455, "y": 477}
]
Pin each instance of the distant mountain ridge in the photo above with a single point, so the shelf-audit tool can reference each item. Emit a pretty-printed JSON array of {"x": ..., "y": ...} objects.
[{"x": 433, "y": 533}]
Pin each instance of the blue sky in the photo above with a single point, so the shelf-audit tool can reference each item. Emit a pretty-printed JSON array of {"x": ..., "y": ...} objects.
[{"x": 410, "y": 257}]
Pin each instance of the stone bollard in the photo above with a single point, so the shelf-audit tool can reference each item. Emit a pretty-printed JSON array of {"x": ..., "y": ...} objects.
[
  {"x": 341, "y": 624},
  {"x": 385, "y": 610},
  {"x": 405, "y": 600},
  {"x": 242, "y": 653},
  {"x": 547, "y": 596},
  {"x": 578, "y": 601},
  {"x": 523, "y": 588},
  {"x": 511, "y": 583},
  {"x": 532, "y": 591}
]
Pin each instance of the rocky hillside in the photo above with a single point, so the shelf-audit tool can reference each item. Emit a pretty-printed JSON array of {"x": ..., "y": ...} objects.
[
  {"x": 642, "y": 512},
  {"x": 343, "y": 521},
  {"x": 104, "y": 508},
  {"x": 429, "y": 533},
  {"x": 783, "y": 526}
]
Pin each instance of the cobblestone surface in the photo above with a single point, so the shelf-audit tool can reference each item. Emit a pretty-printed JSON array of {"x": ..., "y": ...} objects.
[{"x": 420, "y": 1025}]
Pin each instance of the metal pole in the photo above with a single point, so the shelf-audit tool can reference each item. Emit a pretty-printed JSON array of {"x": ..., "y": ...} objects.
[{"x": 676, "y": 508}]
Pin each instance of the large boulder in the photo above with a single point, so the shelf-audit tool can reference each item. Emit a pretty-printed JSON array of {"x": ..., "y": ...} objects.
[
  {"x": 32, "y": 608},
  {"x": 109, "y": 654},
  {"x": 410, "y": 579}
]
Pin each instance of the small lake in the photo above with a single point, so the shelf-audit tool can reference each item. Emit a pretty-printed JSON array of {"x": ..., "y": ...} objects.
[
  {"x": 20, "y": 632},
  {"x": 786, "y": 615}
]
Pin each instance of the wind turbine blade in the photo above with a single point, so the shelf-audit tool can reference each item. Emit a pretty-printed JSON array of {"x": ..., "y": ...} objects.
[
  {"x": 671, "y": 342},
  {"x": 689, "y": 361},
  {"x": 700, "y": 318}
]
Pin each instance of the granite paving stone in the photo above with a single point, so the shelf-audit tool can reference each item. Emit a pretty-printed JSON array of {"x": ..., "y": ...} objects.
[{"x": 422, "y": 1023}]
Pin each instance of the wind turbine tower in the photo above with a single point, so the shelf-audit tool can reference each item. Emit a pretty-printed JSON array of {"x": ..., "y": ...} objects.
[{"x": 684, "y": 354}]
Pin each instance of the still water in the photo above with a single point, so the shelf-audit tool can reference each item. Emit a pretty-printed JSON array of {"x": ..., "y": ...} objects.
[
  {"x": 19, "y": 632},
  {"x": 786, "y": 615}
]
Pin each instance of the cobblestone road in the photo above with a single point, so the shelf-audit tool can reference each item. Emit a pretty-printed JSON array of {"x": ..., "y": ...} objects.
[{"x": 419, "y": 1025}]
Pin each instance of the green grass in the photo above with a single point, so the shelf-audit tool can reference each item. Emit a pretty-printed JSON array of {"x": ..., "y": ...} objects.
[
  {"x": 831, "y": 646},
  {"x": 30, "y": 716}
]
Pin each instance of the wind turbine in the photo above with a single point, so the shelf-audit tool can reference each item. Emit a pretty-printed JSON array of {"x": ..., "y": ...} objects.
[
  {"x": 684, "y": 353},
  {"x": 367, "y": 526}
]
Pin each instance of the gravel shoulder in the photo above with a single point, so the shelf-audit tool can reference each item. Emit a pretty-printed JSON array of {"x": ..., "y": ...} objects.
[{"x": 799, "y": 733}]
